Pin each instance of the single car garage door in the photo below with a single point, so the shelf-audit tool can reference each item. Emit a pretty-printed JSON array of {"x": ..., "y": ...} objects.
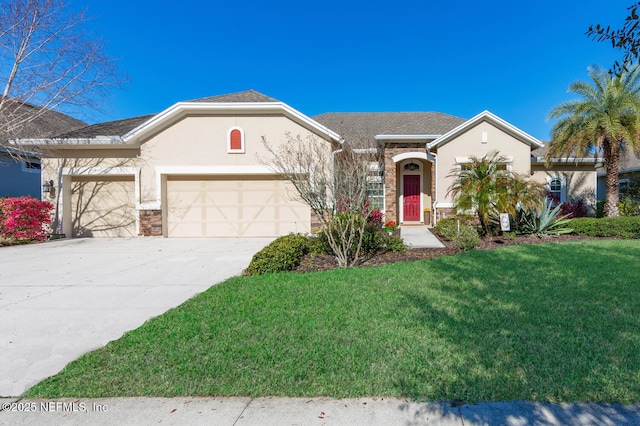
[
  {"x": 230, "y": 206},
  {"x": 103, "y": 207}
]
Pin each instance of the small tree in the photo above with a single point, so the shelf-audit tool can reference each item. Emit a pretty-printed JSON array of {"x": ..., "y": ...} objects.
[
  {"x": 49, "y": 61},
  {"x": 485, "y": 188},
  {"x": 333, "y": 184}
]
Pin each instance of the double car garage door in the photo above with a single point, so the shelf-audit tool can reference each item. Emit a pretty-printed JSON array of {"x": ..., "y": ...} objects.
[
  {"x": 208, "y": 206},
  {"x": 203, "y": 206}
]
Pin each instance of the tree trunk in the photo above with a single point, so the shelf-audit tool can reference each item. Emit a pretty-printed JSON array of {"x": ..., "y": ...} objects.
[{"x": 611, "y": 164}]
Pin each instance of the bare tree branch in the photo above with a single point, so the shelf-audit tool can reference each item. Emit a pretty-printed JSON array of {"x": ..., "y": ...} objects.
[
  {"x": 48, "y": 60},
  {"x": 334, "y": 184}
]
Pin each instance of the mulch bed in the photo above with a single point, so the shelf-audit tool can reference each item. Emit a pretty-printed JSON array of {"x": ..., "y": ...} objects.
[{"x": 325, "y": 262}]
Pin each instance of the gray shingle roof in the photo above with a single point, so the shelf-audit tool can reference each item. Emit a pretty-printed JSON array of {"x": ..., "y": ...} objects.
[
  {"x": 122, "y": 127},
  {"x": 110, "y": 128},
  {"x": 48, "y": 124},
  {"x": 246, "y": 96},
  {"x": 354, "y": 126}
]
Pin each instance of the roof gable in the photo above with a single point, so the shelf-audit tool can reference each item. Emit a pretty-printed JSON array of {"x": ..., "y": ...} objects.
[
  {"x": 496, "y": 121},
  {"x": 219, "y": 106}
]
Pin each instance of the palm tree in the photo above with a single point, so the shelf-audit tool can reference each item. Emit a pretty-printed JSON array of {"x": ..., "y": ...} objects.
[
  {"x": 485, "y": 187},
  {"x": 605, "y": 120}
]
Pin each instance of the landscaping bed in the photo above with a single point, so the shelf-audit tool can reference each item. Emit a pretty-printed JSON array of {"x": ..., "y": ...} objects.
[{"x": 325, "y": 262}]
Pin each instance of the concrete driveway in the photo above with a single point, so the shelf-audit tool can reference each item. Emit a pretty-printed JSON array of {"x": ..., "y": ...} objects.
[{"x": 61, "y": 299}]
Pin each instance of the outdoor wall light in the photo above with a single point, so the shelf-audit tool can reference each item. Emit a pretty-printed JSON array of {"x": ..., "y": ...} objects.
[{"x": 47, "y": 186}]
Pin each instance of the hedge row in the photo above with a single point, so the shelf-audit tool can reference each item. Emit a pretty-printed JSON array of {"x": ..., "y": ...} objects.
[{"x": 623, "y": 227}]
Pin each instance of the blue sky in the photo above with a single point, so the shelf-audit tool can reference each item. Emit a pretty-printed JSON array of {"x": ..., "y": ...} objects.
[{"x": 515, "y": 59}]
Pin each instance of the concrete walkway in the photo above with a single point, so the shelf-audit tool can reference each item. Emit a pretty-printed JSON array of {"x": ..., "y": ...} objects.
[
  {"x": 308, "y": 411},
  {"x": 61, "y": 299},
  {"x": 419, "y": 237}
]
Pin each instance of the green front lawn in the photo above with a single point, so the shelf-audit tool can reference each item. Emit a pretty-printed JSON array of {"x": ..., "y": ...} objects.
[{"x": 549, "y": 322}]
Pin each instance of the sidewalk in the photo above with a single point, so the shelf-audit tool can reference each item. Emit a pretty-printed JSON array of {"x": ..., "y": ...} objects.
[
  {"x": 419, "y": 237},
  {"x": 307, "y": 411}
]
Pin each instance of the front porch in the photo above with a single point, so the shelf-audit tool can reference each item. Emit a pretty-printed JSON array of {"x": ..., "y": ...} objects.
[{"x": 409, "y": 187}]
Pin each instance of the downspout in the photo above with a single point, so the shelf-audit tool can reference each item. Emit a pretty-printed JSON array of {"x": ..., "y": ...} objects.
[{"x": 435, "y": 195}]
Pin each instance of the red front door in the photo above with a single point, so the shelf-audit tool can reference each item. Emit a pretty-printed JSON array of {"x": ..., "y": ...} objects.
[{"x": 411, "y": 194}]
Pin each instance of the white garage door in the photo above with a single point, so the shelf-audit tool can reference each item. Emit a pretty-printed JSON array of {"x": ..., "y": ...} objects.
[
  {"x": 233, "y": 207},
  {"x": 103, "y": 207}
]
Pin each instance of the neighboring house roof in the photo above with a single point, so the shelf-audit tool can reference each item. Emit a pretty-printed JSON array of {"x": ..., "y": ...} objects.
[
  {"x": 494, "y": 120},
  {"x": 358, "y": 127}
]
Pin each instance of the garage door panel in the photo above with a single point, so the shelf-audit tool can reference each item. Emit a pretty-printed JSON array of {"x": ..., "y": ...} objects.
[
  {"x": 103, "y": 207},
  {"x": 232, "y": 207}
]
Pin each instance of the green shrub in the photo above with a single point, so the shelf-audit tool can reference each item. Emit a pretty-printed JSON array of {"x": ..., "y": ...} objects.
[
  {"x": 447, "y": 228},
  {"x": 629, "y": 207},
  {"x": 393, "y": 243},
  {"x": 467, "y": 238},
  {"x": 319, "y": 244},
  {"x": 623, "y": 227},
  {"x": 374, "y": 241},
  {"x": 283, "y": 254}
]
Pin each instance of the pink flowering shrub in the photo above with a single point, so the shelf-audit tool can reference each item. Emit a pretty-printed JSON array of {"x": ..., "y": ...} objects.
[
  {"x": 24, "y": 218},
  {"x": 375, "y": 218}
]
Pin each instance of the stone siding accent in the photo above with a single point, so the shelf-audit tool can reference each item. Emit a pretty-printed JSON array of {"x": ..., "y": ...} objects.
[
  {"x": 151, "y": 223},
  {"x": 315, "y": 221}
]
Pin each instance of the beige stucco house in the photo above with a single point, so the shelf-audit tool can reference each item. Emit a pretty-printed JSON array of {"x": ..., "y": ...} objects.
[{"x": 197, "y": 169}]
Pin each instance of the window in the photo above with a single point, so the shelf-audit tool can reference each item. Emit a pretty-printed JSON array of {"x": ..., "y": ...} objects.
[
  {"x": 31, "y": 166},
  {"x": 623, "y": 189},
  {"x": 235, "y": 141},
  {"x": 375, "y": 187},
  {"x": 555, "y": 190},
  {"x": 411, "y": 167}
]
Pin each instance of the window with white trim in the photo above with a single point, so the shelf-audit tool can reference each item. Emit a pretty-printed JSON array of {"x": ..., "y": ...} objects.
[
  {"x": 556, "y": 190},
  {"x": 235, "y": 141},
  {"x": 375, "y": 187}
]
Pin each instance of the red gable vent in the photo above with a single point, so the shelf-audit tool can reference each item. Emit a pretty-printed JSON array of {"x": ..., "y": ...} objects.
[{"x": 236, "y": 140}]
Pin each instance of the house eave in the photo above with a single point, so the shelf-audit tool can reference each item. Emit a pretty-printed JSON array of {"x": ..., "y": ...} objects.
[
  {"x": 565, "y": 160},
  {"x": 621, "y": 171},
  {"x": 98, "y": 142}
]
